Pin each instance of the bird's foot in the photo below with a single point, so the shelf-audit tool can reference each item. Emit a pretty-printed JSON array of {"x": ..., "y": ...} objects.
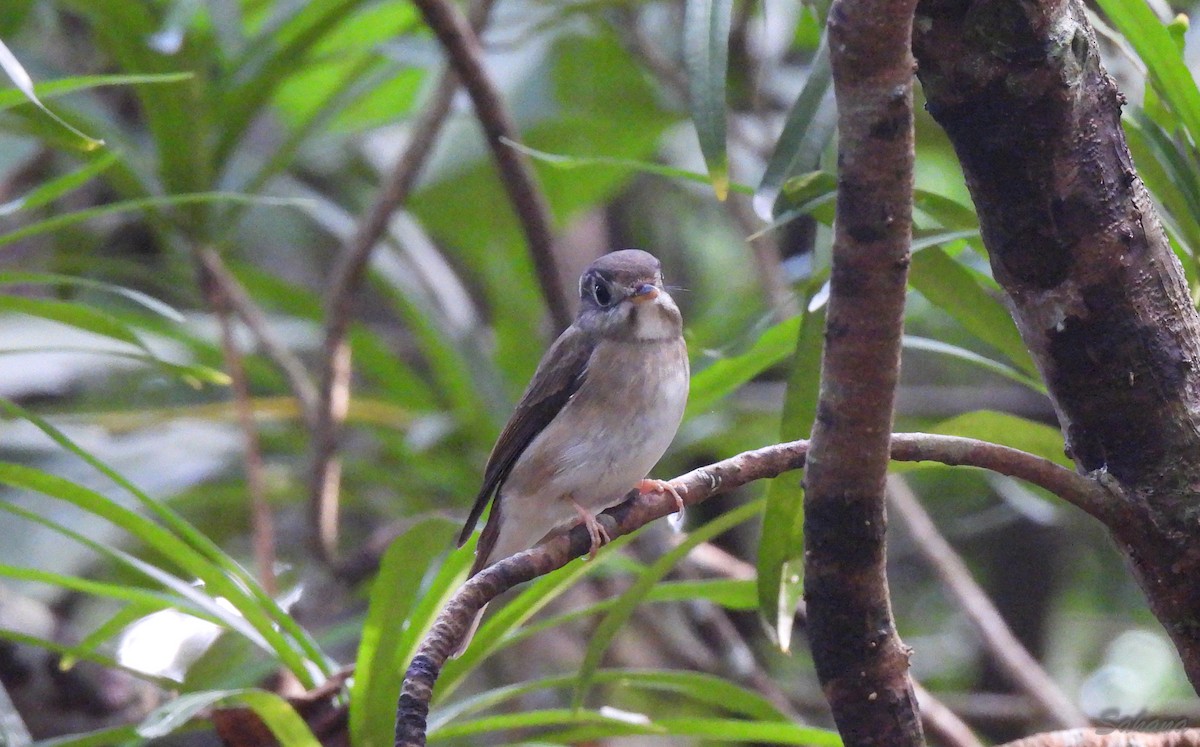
[
  {"x": 595, "y": 529},
  {"x": 662, "y": 486}
]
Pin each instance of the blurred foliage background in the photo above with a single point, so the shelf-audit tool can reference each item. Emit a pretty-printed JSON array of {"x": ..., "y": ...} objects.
[{"x": 158, "y": 553}]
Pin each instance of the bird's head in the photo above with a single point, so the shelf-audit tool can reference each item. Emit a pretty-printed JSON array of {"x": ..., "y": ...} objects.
[{"x": 622, "y": 297}]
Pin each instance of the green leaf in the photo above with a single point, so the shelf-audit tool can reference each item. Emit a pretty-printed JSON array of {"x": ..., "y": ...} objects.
[
  {"x": 1139, "y": 24},
  {"x": 54, "y": 89},
  {"x": 197, "y": 554},
  {"x": 16, "y": 72},
  {"x": 462, "y": 730},
  {"x": 395, "y": 592},
  {"x": 283, "y": 721},
  {"x": 596, "y": 725},
  {"x": 739, "y": 732},
  {"x": 190, "y": 599},
  {"x": 195, "y": 375},
  {"x": 150, "y": 601},
  {"x": 49, "y": 191},
  {"x": 275, "y": 54},
  {"x": 706, "y": 26},
  {"x": 493, "y": 632},
  {"x": 950, "y": 213},
  {"x": 724, "y": 376},
  {"x": 616, "y": 618},
  {"x": 912, "y": 342},
  {"x": 566, "y": 162},
  {"x": 955, "y": 290},
  {"x": 701, "y": 688},
  {"x": 813, "y": 194},
  {"x": 46, "y": 278},
  {"x": 99, "y": 738},
  {"x": 107, "y": 630},
  {"x": 780, "y": 549},
  {"x": 1009, "y": 430},
  {"x": 74, "y": 315},
  {"x": 143, "y": 203},
  {"x": 728, "y": 593},
  {"x": 809, "y": 127}
]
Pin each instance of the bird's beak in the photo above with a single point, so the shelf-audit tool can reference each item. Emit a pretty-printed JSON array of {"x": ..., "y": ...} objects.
[{"x": 644, "y": 292}]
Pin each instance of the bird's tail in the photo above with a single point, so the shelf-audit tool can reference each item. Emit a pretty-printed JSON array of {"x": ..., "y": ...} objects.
[{"x": 497, "y": 541}]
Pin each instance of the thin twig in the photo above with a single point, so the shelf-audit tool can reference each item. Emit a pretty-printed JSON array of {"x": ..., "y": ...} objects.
[
  {"x": 696, "y": 486},
  {"x": 255, "y": 320},
  {"x": 997, "y": 638},
  {"x": 262, "y": 522},
  {"x": 347, "y": 279},
  {"x": 462, "y": 47}
]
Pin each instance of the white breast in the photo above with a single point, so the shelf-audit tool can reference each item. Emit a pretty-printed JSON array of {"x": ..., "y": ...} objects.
[{"x": 609, "y": 436}]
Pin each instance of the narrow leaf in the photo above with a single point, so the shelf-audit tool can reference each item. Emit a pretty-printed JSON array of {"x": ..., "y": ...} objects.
[
  {"x": 144, "y": 203},
  {"x": 706, "y": 26},
  {"x": 74, "y": 315},
  {"x": 493, "y": 632},
  {"x": 955, "y": 290},
  {"x": 275, "y": 712},
  {"x": 781, "y": 547},
  {"x": 56, "y": 88},
  {"x": 911, "y": 342},
  {"x": 48, "y": 278},
  {"x": 12, "y": 67},
  {"x": 809, "y": 127},
  {"x": 566, "y": 162},
  {"x": 616, "y": 618},
  {"x": 394, "y": 593},
  {"x": 1010, "y": 430},
  {"x": 1138, "y": 23},
  {"x": 46, "y": 193}
]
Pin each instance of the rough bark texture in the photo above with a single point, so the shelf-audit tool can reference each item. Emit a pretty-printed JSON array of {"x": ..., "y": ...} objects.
[
  {"x": 1094, "y": 287},
  {"x": 859, "y": 658}
]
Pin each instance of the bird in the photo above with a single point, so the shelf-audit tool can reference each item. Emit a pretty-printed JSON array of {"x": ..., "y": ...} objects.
[{"x": 602, "y": 408}]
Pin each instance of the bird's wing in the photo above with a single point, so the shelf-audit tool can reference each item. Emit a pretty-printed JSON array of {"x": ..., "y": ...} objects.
[{"x": 559, "y": 375}]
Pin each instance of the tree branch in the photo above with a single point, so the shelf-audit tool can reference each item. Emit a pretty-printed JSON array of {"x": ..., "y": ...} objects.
[
  {"x": 252, "y": 316},
  {"x": 1095, "y": 289},
  {"x": 859, "y": 658},
  {"x": 533, "y": 211},
  {"x": 261, "y": 520},
  {"x": 1104, "y": 737},
  {"x": 997, "y": 638},
  {"x": 348, "y": 273},
  {"x": 694, "y": 487}
]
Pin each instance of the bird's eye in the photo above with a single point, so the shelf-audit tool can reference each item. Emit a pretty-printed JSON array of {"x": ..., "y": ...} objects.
[{"x": 600, "y": 292}]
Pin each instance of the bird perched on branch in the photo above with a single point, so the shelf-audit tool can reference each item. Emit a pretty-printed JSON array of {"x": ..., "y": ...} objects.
[{"x": 602, "y": 408}]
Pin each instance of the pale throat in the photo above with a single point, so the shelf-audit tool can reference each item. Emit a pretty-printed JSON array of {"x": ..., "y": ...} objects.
[{"x": 655, "y": 320}]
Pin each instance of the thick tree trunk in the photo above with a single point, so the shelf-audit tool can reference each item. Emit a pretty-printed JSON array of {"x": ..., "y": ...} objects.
[{"x": 1094, "y": 287}]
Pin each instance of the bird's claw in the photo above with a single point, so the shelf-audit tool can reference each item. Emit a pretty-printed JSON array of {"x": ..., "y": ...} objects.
[
  {"x": 662, "y": 486},
  {"x": 596, "y": 531}
]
